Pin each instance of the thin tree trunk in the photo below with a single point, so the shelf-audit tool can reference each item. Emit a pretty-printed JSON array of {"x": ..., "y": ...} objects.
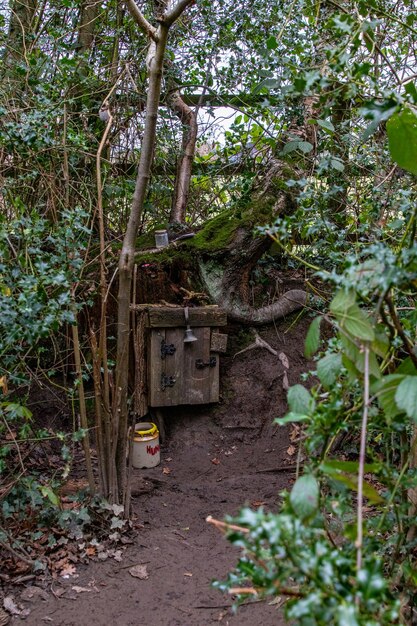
[
  {"x": 159, "y": 38},
  {"x": 88, "y": 17},
  {"x": 20, "y": 28}
]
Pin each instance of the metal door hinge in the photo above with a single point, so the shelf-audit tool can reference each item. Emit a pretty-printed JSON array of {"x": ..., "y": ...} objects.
[
  {"x": 167, "y": 381},
  {"x": 167, "y": 349}
]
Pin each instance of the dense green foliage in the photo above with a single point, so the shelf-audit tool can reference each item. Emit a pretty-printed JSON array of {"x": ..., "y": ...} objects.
[{"x": 323, "y": 109}]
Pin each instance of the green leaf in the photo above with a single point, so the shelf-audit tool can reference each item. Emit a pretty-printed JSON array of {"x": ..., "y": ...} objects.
[
  {"x": 381, "y": 343},
  {"x": 17, "y": 410},
  {"x": 347, "y": 615},
  {"x": 410, "y": 88},
  {"x": 328, "y": 369},
  {"x": 402, "y": 139},
  {"x": 357, "y": 323},
  {"x": 291, "y": 146},
  {"x": 342, "y": 301},
  {"x": 385, "y": 391},
  {"x": 353, "y": 372},
  {"x": 331, "y": 466},
  {"x": 406, "y": 396},
  {"x": 271, "y": 43},
  {"x": 337, "y": 165},
  {"x": 356, "y": 357},
  {"x": 304, "y": 496},
  {"x": 300, "y": 400},
  {"x": 327, "y": 125},
  {"x": 47, "y": 492},
  {"x": 291, "y": 418},
  {"x": 305, "y": 146},
  {"x": 352, "y": 483},
  {"x": 312, "y": 341},
  {"x": 407, "y": 367}
]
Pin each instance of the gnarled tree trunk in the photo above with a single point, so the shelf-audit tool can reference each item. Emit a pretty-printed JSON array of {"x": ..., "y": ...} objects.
[{"x": 188, "y": 118}]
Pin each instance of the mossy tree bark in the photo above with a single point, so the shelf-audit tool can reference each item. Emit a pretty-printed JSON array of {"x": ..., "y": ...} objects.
[{"x": 238, "y": 257}]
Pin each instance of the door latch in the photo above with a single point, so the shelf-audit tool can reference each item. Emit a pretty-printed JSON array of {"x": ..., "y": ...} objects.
[{"x": 200, "y": 364}]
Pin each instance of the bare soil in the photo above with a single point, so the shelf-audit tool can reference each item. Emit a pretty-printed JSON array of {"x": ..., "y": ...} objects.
[{"x": 214, "y": 459}]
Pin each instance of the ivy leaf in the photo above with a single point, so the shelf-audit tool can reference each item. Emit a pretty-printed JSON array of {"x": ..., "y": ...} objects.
[
  {"x": 312, "y": 341},
  {"x": 271, "y": 43},
  {"x": 47, "y": 492},
  {"x": 337, "y": 164},
  {"x": 402, "y": 139},
  {"x": 300, "y": 400},
  {"x": 406, "y": 396},
  {"x": 296, "y": 144},
  {"x": 304, "y": 496},
  {"x": 327, "y": 125},
  {"x": 347, "y": 615},
  {"x": 328, "y": 369}
]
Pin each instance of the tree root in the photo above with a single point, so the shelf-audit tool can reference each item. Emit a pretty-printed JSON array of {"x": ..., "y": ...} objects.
[{"x": 289, "y": 302}]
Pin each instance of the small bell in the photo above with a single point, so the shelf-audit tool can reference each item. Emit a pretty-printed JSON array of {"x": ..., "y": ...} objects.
[{"x": 189, "y": 335}]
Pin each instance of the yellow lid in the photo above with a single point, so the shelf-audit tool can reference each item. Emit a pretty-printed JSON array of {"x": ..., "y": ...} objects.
[{"x": 145, "y": 429}]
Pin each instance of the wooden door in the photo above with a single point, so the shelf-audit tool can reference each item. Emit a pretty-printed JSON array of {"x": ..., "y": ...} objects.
[{"x": 182, "y": 373}]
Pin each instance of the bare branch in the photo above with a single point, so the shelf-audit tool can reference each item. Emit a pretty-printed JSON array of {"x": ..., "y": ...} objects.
[
  {"x": 141, "y": 20},
  {"x": 176, "y": 11}
]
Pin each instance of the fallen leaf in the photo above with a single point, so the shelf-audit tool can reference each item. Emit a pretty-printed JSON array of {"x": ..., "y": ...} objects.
[
  {"x": 295, "y": 432},
  {"x": 291, "y": 451},
  {"x": 257, "y": 503},
  {"x": 285, "y": 383},
  {"x": 166, "y": 470},
  {"x": 117, "y": 509},
  {"x": 284, "y": 360},
  {"x": 11, "y": 607},
  {"x": 33, "y": 594},
  {"x": 215, "y": 461},
  {"x": 118, "y": 555},
  {"x": 139, "y": 571},
  {"x": 78, "y": 589},
  {"x": 3, "y": 385},
  {"x": 67, "y": 571},
  {"x": 59, "y": 591},
  {"x": 91, "y": 551}
]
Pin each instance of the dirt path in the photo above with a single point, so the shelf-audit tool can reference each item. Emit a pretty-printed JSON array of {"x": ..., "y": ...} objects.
[{"x": 219, "y": 459}]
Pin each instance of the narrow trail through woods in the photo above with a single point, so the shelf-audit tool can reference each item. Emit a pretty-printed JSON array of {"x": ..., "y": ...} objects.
[{"x": 214, "y": 460}]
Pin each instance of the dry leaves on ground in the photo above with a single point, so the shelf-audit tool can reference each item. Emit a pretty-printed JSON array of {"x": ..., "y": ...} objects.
[
  {"x": 291, "y": 451},
  {"x": 139, "y": 571}
]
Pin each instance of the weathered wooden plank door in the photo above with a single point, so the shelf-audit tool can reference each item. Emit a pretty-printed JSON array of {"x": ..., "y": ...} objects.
[{"x": 182, "y": 373}]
